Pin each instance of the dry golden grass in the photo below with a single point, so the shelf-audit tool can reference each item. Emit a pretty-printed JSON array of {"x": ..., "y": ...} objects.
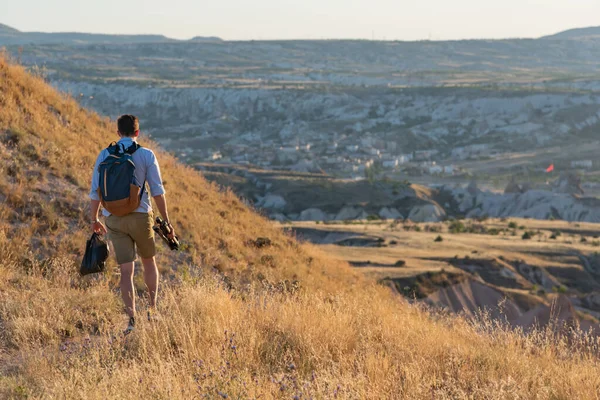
[{"x": 282, "y": 321}]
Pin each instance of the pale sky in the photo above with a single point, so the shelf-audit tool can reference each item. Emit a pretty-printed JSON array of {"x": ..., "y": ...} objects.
[{"x": 309, "y": 19}]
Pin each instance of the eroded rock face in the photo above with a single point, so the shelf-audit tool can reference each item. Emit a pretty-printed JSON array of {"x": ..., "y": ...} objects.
[
  {"x": 560, "y": 312},
  {"x": 591, "y": 301},
  {"x": 427, "y": 213},
  {"x": 568, "y": 183},
  {"x": 272, "y": 202},
  {"x": 472, "y": 297},
  {"x": 537, "y": 276},
  {"x": 278, "y": 217},
  {"x": 521, "y": 203},
  {"x": 349, "y": 213},
  {"x": 512, "y": 187},
  {"x": 390, "y": 213},
  {"x": 312, "y": 214},
  {"x": 517, "y": 201}
]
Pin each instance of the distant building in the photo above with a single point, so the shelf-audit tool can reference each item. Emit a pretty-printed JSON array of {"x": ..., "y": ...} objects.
[
  {"x": 435, "y": 170},
  {"x": 390, "y": 163},
  {"x": 404, "y": 158},
  {"x": 423, "y": 155},
  {"x": 449, "y": 170},
  {"x": 582, "y": 164},
  {"x": 367, "y": 141},
  {"x": 463, "y": 153}
]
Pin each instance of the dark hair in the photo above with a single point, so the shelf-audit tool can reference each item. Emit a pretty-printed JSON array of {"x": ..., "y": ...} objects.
[{"x": 128, "y": 124}]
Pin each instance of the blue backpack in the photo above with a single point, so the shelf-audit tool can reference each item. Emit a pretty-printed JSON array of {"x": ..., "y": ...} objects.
[{"x": 119, "y": 190}]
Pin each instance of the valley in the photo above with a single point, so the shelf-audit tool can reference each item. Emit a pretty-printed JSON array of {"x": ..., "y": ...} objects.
[
  {"x": 429, "y": 112},
  {"x": 523, "y": 272}
]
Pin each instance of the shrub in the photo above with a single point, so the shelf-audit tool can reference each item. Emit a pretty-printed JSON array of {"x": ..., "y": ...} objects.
[
  {"x": 482, "y": 218},
  {"x": 512, "y": 225},
  {"x": 559, "y": 289},
  {"x": 526, "y": 236},
  {"x": 439, "y": 239},
  {"x": 400, "y": 263},
  {"x": 457, "y": 227},
  {"x": 535, "y": 288},
  {"x": 433, "y": 228}
]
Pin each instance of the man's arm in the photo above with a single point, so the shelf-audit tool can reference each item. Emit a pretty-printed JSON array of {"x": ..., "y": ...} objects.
[
  {"x": 97, "y": 226},
  {"x": 157, "y": 190},
  {"x": 161, "y": 204}
]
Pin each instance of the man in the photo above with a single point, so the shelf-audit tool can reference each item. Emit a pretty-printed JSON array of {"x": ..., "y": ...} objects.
[{"x": 132, "y": 231}]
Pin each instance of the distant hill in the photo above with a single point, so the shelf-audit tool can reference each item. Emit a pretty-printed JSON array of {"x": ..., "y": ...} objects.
[
  {"x": 11, "y": 36},
  {"x": 577, "y": 33},
  {"x": 206, "y": 39},
  {"x": 7, "y": 29}
]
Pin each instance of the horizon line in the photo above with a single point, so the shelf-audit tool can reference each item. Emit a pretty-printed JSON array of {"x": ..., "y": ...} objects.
[{"x": 373, "y": 39}]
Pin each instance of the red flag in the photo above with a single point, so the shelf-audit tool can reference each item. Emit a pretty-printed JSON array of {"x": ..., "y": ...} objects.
[{"x": 550, "y": 168}]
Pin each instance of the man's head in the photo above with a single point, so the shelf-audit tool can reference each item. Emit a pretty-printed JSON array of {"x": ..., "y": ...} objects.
[{"x": 128, "y": 125}]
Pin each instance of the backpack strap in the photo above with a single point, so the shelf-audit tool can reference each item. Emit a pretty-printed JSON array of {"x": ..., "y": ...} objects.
[
  {"x": 133, "y": 148},
  {"x": 113, "y": 148},
  {"x": 142, "y": 191}
]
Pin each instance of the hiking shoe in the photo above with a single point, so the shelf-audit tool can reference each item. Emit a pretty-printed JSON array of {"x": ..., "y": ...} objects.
[{"x": 130, "y": 327}]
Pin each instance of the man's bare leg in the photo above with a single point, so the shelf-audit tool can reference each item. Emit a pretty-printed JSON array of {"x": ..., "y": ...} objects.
[
  {"x": 127, "y": 291},
  {"x": 151, "y": 279}
]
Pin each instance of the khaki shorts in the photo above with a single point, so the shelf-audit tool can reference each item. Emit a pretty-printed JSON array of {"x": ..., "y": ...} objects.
[{"x": 130, "y": 232}]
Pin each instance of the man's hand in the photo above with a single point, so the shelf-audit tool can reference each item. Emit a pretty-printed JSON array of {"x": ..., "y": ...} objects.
[
  {"x": 172, "y": 234},
  {"x": 98, "y": 228}
]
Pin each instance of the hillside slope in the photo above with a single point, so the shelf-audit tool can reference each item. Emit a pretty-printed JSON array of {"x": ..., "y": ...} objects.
[
  {"x": 239, "y": 320},
  {"x": 592, "y": 32}
]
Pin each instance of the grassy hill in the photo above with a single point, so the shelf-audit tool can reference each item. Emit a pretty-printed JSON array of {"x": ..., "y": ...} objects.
[{"x": 239, "y": 320}]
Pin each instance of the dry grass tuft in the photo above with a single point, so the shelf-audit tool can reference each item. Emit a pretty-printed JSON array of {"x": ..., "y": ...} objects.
[{"x": 239, "y": 320}]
